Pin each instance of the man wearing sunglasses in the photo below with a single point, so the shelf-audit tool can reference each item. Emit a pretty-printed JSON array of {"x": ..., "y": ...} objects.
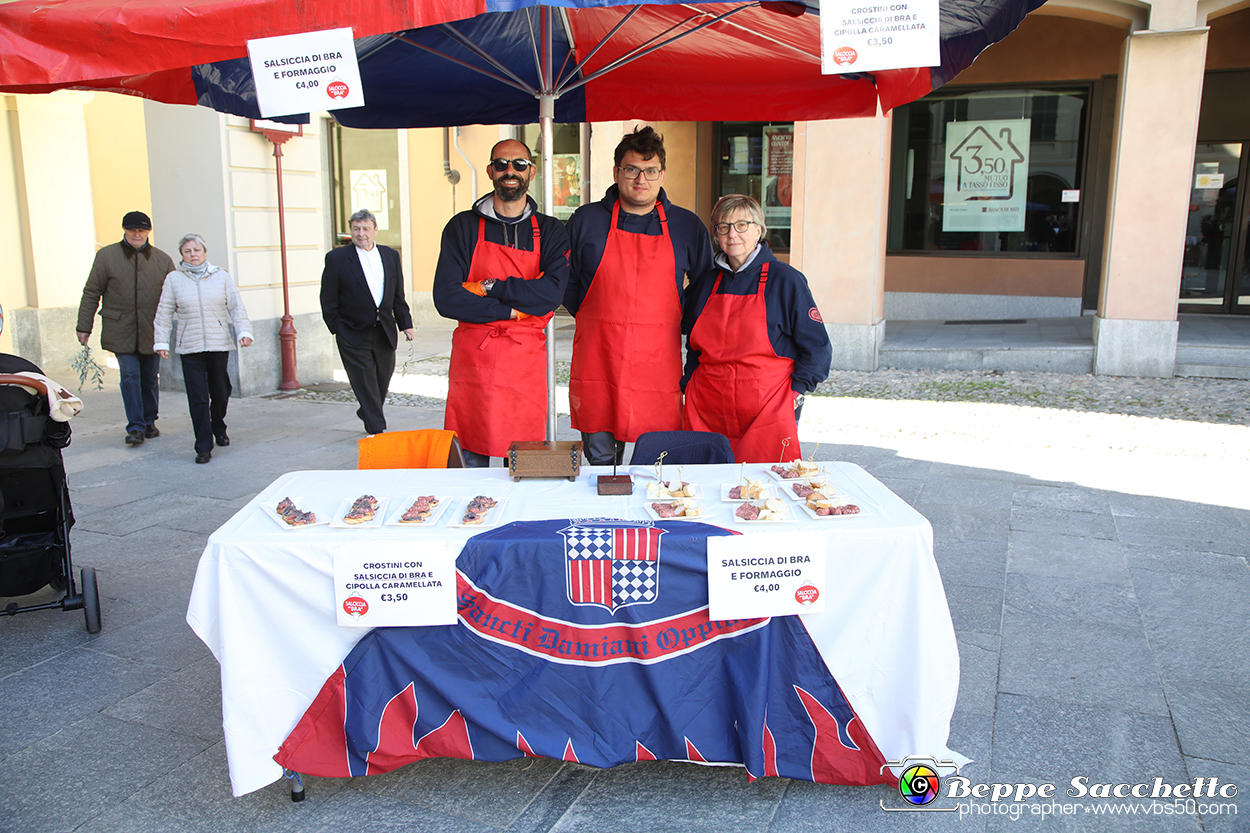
[
  {"x": 631, "y": 254},
  {"x": 501, "y": 273}
]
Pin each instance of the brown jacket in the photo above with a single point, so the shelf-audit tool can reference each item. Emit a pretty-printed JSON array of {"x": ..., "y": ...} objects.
[{"x": 128, "y": 282}]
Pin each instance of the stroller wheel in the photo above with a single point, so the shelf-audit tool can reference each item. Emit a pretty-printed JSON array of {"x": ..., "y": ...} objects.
[
  {"x": 91, "y": 600},
  {"x": 57, "y": 584}
]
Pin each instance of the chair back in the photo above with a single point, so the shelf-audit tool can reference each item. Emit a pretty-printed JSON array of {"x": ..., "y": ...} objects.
[
  {"x": 429, "y": 448},
  {"x": 683, "y": 447}
]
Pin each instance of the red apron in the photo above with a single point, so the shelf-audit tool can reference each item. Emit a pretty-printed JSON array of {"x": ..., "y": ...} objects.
[
  {"x": 497, "y": 384},
  {"x": 741, "y": 387},
  {"x": 626, "y": 372}
]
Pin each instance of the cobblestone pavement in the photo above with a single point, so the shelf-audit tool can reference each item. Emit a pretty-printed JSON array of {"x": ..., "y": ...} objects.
[
  {"x": 1219, "y": 401},
  {"x": 1185, "y": 417}
]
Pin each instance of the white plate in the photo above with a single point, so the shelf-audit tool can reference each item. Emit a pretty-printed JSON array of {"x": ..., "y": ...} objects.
[
  {"x": 694, "y": 487},
  {"x": 302, "y": 504},
  {"x": 785, "y": 519},
  {"x": 406, "y": 503},
  {"x": 492, "y": 515},
  {"x": 655, "y": 516},
  {"x": 768, "y": 470},
  {"x": 372, "y": 523},
  {"x": 725, "y": 498},
  {"x": 788, "y": 489},
  {"x": 812, "y": 513}
]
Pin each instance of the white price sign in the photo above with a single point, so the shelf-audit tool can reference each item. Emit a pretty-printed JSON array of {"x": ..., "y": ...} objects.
[
  {"x": 868, "y": 35},
  {"x": 305, "y": 73},
  {"x": 749, "y": 576},
  {"x": 395, "y": 585}
]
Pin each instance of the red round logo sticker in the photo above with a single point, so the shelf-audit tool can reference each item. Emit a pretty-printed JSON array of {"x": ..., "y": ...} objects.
[
  {"x": 807, "y": 595},
  {"x": 337, "y": 90},
  {"x": 844, "y": 56},
  {"x": 814, "y": 314},
  {"x": 355, "y": 607}
]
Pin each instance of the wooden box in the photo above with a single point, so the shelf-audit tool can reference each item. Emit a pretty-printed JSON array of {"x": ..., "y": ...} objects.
[{"x": 562, "y": 458}]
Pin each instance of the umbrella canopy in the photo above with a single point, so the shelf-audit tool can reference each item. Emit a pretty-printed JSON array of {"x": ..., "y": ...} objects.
[
  {"x": 422, "y": 61},
  {"x": 439, "y": 63}
]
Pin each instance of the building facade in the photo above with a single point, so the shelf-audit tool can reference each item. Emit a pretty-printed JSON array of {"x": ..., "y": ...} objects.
[{"x": 1086, "y": 165}]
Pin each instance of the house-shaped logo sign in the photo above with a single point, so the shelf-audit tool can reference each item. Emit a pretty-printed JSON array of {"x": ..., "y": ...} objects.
[{"x": 986, "y": 165}]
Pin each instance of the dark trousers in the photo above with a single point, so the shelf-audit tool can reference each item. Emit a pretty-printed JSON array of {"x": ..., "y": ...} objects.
[
  {"x": 473, "y": 460},
  {"x": 141, "y": 390},
  {"x": 208, "y": 394},
  {"x": 601, "y": 448},
  {"x": 369, "y": 367}
]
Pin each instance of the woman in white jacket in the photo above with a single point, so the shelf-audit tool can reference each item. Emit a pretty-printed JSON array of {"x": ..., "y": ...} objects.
[{"x": 204, "y": 301}]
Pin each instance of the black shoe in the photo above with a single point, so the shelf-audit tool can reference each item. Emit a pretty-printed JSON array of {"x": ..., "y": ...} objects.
[
  {"x": 223, "y": 440},
  {"x": 204, "y": 458},
  {"x": 134, "y": 438},
  {"x": 151, "y": 432}
]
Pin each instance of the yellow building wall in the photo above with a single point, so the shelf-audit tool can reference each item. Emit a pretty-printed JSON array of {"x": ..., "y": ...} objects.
[
  {"x": 433, "y": 200},
  {"x": 118, "y": 158},
  {"x": 12, "y": 254}
]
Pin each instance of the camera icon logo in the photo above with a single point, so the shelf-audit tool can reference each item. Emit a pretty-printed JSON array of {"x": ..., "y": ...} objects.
[{"x": 920, "y": 783}]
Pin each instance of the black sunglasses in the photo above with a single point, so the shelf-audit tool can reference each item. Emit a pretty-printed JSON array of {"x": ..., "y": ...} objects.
[{"x": 518, "y": 165}]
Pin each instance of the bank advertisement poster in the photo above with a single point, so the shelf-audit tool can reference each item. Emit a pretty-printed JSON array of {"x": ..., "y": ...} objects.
[
  {"x": 778, "y": 175},
  {"x": 368, "y": 189},
  {"x": 987, "y": 170},
  {"x": 858, "y": 36}
]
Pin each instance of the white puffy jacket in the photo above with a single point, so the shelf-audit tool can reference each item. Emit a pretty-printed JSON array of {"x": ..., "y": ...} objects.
[{"x": 203, "y": 308}]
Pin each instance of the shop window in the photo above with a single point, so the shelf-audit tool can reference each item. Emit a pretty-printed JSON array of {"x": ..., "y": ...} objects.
[
  {"x": 364, "y": 173},
  {"x": 988, "y": 171},
  {"x": 756, "y": 159},
  {"x": 566, "y": 166}
]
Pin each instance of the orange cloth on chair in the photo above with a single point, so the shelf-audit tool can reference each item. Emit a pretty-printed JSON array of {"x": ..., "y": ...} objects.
[{"x": 425, "y": 449}]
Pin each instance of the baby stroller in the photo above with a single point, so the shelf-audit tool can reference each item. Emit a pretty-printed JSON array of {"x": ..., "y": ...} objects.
[{"x": 35, "y": 513}]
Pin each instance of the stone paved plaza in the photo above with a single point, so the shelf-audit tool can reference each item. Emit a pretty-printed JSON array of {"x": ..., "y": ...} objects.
[{"x": 1094, "y": 564}]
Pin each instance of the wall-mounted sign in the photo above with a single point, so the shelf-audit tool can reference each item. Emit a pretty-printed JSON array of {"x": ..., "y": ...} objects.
[
  {"x": 305, "y": 73},
  {"x": 859, "y": 36},
  {"x": 778, "y": 165},
  {"x": 987, "y": 170},
  {"x": 369, "y": 191}
]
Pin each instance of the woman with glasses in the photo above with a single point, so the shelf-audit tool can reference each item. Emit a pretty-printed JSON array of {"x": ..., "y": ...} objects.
[
  {"x": 755, "y": 341},
  {"x": 203, "y": 300}
]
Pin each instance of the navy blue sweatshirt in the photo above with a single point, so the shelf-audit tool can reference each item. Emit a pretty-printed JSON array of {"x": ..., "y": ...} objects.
[
  {"x": 588, "y": 233},
  {"x": 795, "y": 329},
  {"x": 535, "y": 297}
]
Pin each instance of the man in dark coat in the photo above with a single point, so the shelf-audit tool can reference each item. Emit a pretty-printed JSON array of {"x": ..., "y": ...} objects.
[
  {"x": 362, "y": 302},
  {"x": 125, "y": 284}
]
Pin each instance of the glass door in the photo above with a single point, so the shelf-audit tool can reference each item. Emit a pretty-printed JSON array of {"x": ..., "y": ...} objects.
[
  {"x": 1214, "y": 233},
  {"x": 1241, "y": 287},
  {"x": 364, "y": 173}
]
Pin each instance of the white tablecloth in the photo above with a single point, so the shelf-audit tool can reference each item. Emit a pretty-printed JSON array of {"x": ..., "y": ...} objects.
[{"x": 263, "y": 599}]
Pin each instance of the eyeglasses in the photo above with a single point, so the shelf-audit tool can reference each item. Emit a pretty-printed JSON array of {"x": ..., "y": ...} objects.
[
  {"x": 518, "y": 165},
  {"x": 630, "y": 172},
  {"x": 739, "y": 226}
]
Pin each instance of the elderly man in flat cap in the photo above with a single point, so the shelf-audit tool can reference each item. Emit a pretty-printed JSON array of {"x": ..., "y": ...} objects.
[{"x": 125, "y": 283}]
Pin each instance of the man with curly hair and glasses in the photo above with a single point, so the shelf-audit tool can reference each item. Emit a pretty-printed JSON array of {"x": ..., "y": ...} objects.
[{"x": 631, "y": 255}]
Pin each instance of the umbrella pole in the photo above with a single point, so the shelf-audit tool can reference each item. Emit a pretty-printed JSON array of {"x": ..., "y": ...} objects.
[{"x": 546, "y": 123}]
